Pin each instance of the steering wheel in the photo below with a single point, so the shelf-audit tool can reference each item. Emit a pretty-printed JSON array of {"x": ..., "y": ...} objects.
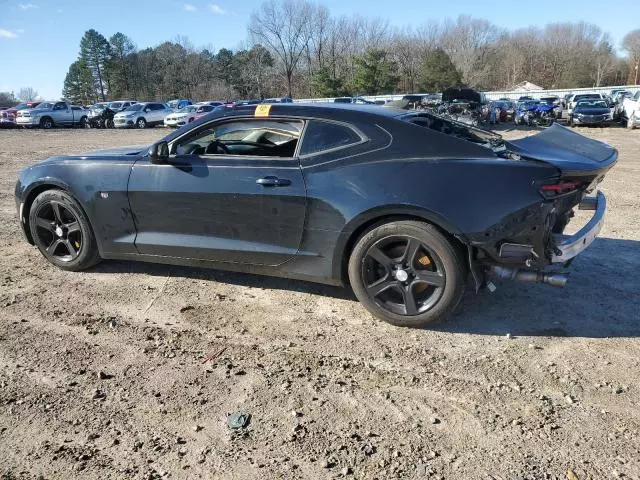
[{"x": 217, "y": 145}]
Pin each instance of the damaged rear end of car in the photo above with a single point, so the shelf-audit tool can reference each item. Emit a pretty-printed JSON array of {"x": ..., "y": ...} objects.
[
  {"x": 539, "y": 250},
  {"x": 532, "y": 188}
]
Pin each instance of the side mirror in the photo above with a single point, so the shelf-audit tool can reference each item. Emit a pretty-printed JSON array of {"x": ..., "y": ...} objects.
[{"x": 159, "y": 152}]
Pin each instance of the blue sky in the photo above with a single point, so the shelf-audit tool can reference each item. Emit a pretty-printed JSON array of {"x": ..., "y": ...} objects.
[{"x": 40, "y": 38}]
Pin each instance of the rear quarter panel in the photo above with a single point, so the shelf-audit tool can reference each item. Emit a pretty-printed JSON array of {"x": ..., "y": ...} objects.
[{"x": 408, "y": 170}]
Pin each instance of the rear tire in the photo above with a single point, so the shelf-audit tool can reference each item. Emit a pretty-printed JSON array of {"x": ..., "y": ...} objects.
[
  {"x": 62, "y": 232},
  {"x": 407, "y": 273}
]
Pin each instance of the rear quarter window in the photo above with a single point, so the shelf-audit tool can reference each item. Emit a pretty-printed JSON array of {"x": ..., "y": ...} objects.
[{"x": 321, "y": 136}]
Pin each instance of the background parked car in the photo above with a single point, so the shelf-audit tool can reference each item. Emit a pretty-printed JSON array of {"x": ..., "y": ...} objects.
[
  {"x": 582, "y": 96},
  {"x": 142, "y": 115},
  {"x": 177, "y": 104},
  {"x": 22, "y": 106},
  {"x": 51, "y": 114},
  {"x": 7, "y": 119},
  {"x": 186, "y": 115},
  {"x": 95, "y": 112},
  {"x": 357, "y": 100},
  {"x": 213, "y": 103},
  {"x": 631, "y": 110},
  {"x": 591, "y": 112},
  {"x": 120, "y": 105},
  {"x": 278, "y": 100}
]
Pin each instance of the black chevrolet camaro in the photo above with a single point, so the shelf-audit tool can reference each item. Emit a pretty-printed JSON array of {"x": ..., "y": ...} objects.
[{"x": 403, "y": 207}]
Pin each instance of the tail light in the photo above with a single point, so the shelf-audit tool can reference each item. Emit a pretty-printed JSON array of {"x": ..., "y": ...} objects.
[{"x": 560, "y": 187}]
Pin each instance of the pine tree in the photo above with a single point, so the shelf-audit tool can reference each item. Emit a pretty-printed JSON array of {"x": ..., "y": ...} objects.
[
  {"x": 437, "y": 72},
  {"x": 78, "y": 84},
  {"x": 95, "y": 51},
  {"x": 375, "y": 73}
]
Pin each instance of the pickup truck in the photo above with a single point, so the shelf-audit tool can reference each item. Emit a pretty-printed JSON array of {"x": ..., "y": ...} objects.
[
  {"x": 631, "y": 110},
  {"x": 51, "y": 114}
]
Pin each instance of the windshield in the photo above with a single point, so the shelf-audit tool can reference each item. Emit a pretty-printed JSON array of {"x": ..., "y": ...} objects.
[
  {"x": 134, "y": 108},
  {"x": 188, "y": 109},
  {"x": 21, "y": 106},
  {"x": 582, "y": 97},
  {"x": 115, "y": 105},
  {"x": 45, "y": 105},
  {"x": 592, "y": 104},
  {"x": 173, "y": 103}
]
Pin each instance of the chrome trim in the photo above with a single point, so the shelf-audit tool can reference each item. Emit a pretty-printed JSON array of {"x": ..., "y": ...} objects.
[{"x": 569, "y": 246}]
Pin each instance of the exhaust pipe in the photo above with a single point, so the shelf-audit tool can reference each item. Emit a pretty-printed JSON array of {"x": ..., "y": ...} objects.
[{"x": 529, "y": 276}]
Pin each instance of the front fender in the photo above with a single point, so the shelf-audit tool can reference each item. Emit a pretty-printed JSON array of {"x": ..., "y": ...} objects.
[{"x": 99, "y": 186}]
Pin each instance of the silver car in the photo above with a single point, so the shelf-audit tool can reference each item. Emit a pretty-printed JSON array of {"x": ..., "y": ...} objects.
[{"x": 141, "y": 115}]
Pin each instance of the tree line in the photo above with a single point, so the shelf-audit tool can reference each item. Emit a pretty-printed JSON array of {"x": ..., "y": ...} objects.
[{"x": 297, "y": 48}]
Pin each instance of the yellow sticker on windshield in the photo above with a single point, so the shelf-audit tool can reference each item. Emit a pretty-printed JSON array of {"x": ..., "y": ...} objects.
[{"x": 262, "y": 110}]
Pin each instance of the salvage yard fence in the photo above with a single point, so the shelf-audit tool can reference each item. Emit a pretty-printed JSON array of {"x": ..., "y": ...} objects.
[{"x": 510, "y": 94}]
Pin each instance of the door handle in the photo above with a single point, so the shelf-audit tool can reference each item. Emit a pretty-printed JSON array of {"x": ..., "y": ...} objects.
[{"x": 272, "y": 181}]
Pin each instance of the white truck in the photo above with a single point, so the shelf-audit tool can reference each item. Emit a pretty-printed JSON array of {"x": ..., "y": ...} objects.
[
  {"x": 631, "y": 110},
  {"x": 53, "y": 114}
]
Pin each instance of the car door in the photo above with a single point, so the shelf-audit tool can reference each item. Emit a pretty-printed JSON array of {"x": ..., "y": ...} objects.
[
  {"x": 223, "y": 197},
  {"x": 61, "y": 114}
]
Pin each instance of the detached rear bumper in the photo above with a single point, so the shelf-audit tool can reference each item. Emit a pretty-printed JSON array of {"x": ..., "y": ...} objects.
[{"x": 569, "y": 246}]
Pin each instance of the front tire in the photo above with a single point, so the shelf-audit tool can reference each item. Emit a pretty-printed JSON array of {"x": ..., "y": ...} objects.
[
  {"x": 62, "y": 232},
  {"x": 46, "y": 123},
  {"x": 407, "y": 273},
  {"x": 141, "y": 123}
]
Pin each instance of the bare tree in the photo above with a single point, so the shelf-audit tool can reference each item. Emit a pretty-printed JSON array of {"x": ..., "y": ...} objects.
[
  {"x": 604, "y": 60},
  {"x": 282, "y": 27},
  {"x": 469, "y": 42},
  {"x": 631, "y": 44},
  {"x": 27, "y": 94}
]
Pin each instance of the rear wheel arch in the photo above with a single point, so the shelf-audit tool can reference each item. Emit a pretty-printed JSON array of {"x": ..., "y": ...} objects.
[{"x": 341, "y": 260}]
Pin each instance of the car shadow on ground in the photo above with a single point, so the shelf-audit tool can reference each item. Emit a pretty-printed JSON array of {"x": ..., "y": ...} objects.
[
  {"x": 601, "y": 299},
  {"x": 233, "y": 278}
]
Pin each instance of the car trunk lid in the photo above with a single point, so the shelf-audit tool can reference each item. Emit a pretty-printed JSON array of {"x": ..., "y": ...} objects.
[{"x": 571, "y": 153}]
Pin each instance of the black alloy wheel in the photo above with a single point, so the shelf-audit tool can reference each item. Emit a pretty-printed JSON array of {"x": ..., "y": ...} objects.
[
  {"x": 61, "y": 231},
  {"x": 407, "y": 273},
  {"x": 403, "y": 275}
]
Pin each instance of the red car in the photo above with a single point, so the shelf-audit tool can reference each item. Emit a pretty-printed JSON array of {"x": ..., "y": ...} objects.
[{"x": 21, "y": 106}]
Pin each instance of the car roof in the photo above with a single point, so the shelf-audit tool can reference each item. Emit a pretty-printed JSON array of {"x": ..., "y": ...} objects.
[
  {"x": 321, "y": 109},
  {"x": 348, "y": 112}
]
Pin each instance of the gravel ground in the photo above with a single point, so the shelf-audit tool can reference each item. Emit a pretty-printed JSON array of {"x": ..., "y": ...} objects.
[{"x": 129, "y": 370}]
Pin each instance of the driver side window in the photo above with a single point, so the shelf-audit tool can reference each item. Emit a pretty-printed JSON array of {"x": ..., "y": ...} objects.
[{"x": 248, "y": 137}]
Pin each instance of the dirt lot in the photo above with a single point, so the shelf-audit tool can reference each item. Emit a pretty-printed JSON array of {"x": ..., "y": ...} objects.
[{"x": 129, "y": 370}]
